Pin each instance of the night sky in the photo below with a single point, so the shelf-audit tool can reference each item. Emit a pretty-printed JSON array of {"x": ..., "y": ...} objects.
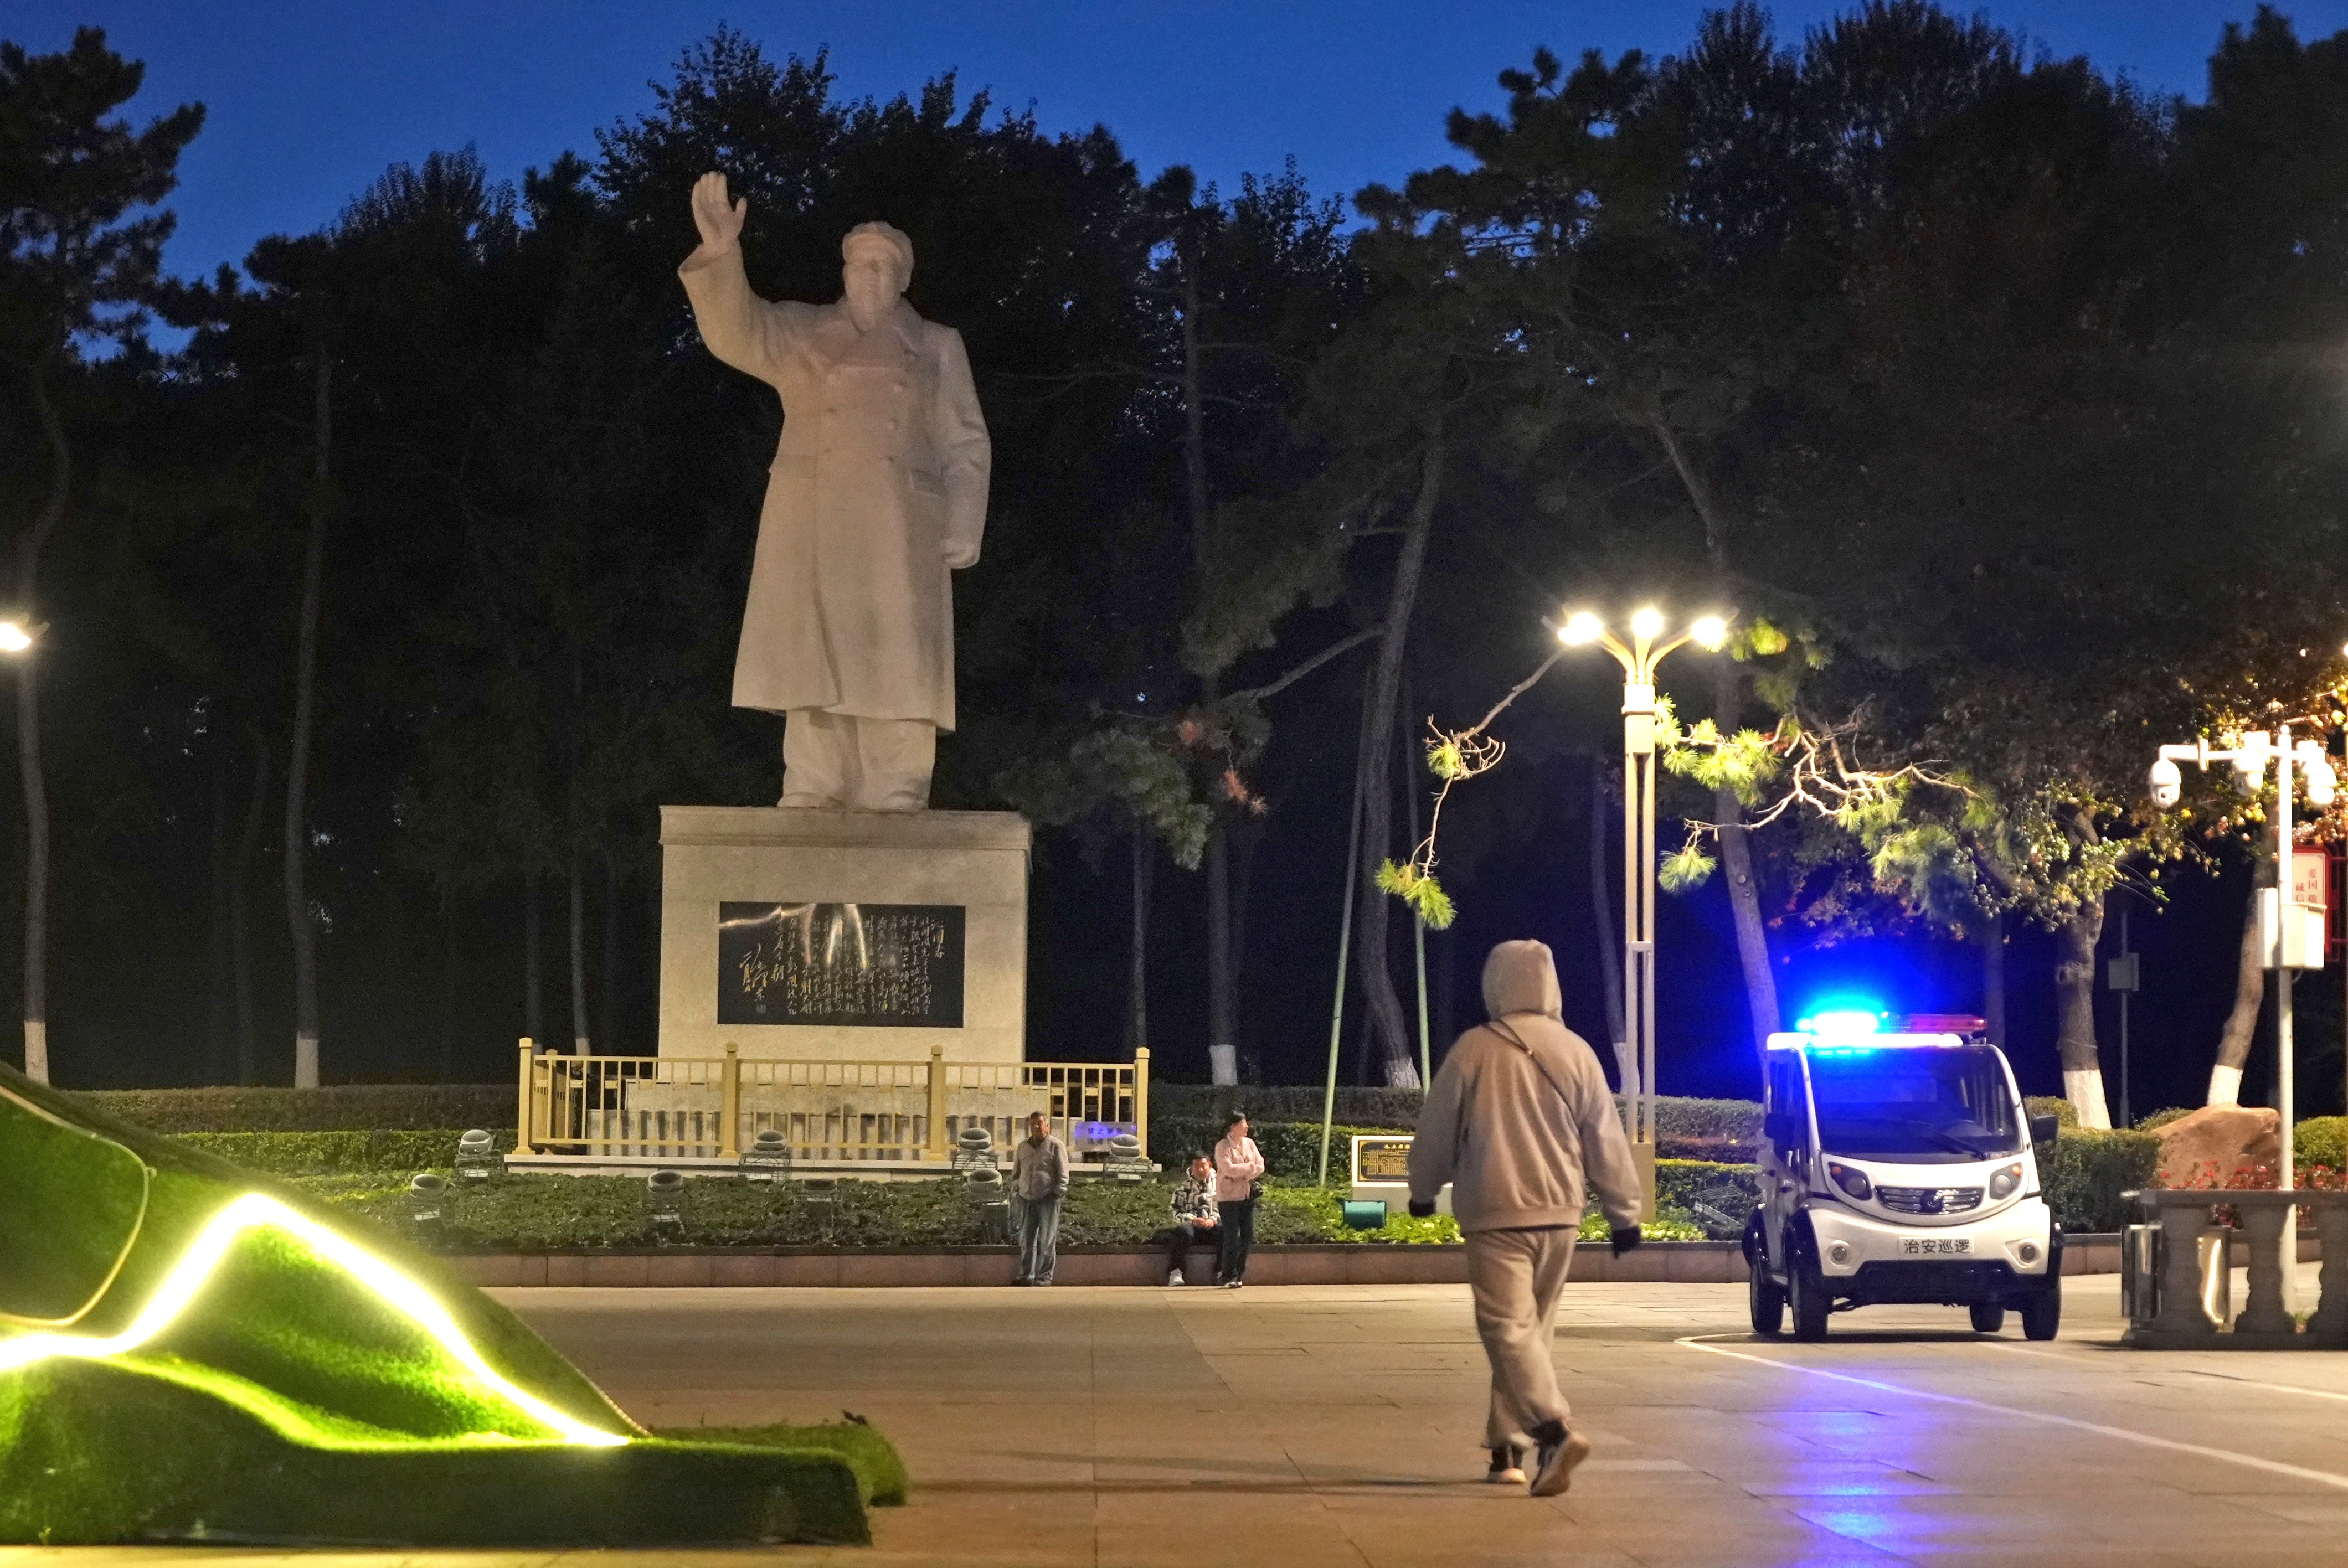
[{"x": 309, "y": 103}]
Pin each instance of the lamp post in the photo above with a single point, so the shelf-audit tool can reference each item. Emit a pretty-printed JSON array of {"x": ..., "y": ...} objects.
[
  {"x": 1639, "y": 658},
  {"x": 17, "y": 634},
  {"x": 2291, "y": 930}
]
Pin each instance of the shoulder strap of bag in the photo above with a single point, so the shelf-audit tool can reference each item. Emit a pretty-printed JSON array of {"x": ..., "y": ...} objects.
[{"x": 1500, "y": 1028}]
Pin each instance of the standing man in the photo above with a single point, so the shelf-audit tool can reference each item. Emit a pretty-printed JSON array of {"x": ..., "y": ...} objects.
[
  {"x": 1039, "y": 1175},
  {"x": 1518, "y": 1116},
  {"x": 877, "y": 493}
]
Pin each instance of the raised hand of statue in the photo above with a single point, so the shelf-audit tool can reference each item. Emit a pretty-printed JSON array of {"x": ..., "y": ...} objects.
[{"x": 720, "y": 223}]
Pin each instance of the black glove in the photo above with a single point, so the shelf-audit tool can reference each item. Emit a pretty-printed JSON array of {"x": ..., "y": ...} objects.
[
  {"x": 1626, "y": 1238},
  {"x": 1421, "y": 1208}
]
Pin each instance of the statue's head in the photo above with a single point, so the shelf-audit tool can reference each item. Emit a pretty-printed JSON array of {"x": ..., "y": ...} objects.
[{"x": 876, "y": 263}]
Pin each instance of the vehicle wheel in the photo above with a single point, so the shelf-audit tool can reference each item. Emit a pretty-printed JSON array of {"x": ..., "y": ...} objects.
[
  {"x": 1989, "y": 1316},
  {"x": 2041, "y": 1315},
  {"x": 1805, "y": 1294},
  {"x": 1765, "y": 1299}
]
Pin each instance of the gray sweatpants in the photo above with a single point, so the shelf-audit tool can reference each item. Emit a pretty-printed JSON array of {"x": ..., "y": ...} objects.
[{"x": 1516, "y": 1277}]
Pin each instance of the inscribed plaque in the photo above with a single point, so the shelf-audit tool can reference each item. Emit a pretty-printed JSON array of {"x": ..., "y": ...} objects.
[{"x": 877, "y": 964}]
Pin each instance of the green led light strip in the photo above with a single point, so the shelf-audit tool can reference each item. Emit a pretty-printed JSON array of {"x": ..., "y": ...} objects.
[{"x": 202, "y": 1259}]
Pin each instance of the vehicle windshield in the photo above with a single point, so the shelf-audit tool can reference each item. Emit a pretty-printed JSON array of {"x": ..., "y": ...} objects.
[{"x": 1922, "y": 1104}]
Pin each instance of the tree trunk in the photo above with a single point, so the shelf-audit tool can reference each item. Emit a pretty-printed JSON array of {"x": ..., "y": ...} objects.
[
  {"x": 581, "y": 1038},
  {"x": 1136, "y": 1006},
  {"x": 532, "y": 959},
  {"x": 1410, "y": 763},
  {"x": 239, "y": 912},
  {"x": 1744, "y": 888},
  {"x": 30, "y": 768},
  {"x": 1222, "y": 1010},
  {"x": 220, "y": 1001},
  {"x": 447, "y": 988},
  {"x": 2075, "y": 1013},
  {"x": 1375, "y": 761},
  {"x": 298, "y": 923},
  {"x": 1735, "y": 851},
  {"x": 611, "y": 954},
  {"x": 2242, "y": 1021},
  {"x": 1223, "y": 1044},
  {"x": 1602, "y": 919},
  {"x": 1993, "y": 969}
]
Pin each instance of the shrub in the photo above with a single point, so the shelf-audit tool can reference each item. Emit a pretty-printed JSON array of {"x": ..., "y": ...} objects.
[
  {"x": 1208, "y": 1102},
  {"x": 1716, "y": 1197},
  {"x": 329, "y": 1153},
  {"x": 2159, "y": 1118},
  {"x": 2064, "y": 1114},
  {"x": 1292, "y": 1150},
  {"x": 345, "y": 1108},
  {"x": 2320, "y": 1141},
  {"x": 2082, "y": 1173}
]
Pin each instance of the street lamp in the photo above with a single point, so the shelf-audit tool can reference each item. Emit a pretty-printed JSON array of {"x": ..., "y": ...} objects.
[
  {"x": 1639, "y": 658},
  {"x": 2290, "y": 927}
]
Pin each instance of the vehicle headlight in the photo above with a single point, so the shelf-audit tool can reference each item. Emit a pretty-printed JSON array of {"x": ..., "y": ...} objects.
[
  {"x": 1854, "y": 1183},
  {"x": 2002, "y": 1186}
]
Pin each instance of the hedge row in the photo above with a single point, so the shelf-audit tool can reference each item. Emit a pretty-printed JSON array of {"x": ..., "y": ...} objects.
[
  {"x": 332, "y": 1153},
  {"x": 345, "y": 1108}
]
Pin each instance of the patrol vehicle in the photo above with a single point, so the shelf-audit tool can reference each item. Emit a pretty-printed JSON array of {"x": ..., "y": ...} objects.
[{"x": 1896, "y": 1167}]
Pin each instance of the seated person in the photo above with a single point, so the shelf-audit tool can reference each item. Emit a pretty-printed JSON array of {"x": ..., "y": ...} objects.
[{"x": 1195, "y": 1215}]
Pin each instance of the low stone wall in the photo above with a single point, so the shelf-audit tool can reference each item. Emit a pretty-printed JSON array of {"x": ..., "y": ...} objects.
[{"x": 1336, "y": 1263}]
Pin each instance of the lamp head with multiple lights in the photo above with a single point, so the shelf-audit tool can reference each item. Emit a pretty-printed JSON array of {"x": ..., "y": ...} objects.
[{"x": 1640, "y": 656}]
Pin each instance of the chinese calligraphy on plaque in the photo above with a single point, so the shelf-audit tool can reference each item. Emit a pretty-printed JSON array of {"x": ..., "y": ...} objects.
[{"x": 876, "y": 964}]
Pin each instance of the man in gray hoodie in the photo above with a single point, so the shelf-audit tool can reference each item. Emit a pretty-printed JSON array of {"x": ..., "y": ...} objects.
[{"x": 1518, "y": 1118}]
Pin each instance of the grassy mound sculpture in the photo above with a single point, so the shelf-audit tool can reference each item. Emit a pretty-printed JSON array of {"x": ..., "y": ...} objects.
[{"x": 189, "y": 1352}]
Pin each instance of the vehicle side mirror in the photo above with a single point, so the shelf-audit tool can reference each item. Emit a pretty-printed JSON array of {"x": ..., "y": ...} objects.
[
  {"x": 2043, "y": 1128},
  {"x": 1780, "y": 1128}
]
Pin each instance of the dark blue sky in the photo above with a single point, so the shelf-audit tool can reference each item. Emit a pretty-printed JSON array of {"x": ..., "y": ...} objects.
[{"x": 310, "y": 101}]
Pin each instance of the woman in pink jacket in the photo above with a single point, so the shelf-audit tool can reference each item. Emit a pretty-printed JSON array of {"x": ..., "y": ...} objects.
[{"x": 1238, "y": 1164}]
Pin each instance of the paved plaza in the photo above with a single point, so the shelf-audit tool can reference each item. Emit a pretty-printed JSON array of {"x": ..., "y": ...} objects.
[{"x": 1311, "y": 1425}]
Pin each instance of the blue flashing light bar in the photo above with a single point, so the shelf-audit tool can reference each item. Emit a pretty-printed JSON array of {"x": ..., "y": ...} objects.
[{"x": 1842, "y": 1023}]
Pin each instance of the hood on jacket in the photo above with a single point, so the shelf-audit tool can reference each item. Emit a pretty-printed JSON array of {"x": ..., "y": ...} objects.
[{"x": 1521, "y": 976}]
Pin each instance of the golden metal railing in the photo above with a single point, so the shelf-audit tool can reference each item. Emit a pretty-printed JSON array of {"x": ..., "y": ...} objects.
[{"x": 711, "y": 1108}]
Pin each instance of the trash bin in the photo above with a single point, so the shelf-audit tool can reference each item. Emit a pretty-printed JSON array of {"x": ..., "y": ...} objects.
[
  {"x": 2141, "y": 1250},
  {"x": 1368, "y": 1216},
  {"x": 989, "y": 1197}
]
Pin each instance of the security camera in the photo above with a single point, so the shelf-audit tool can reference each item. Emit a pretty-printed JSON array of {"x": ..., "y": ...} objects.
[
  {"x": 2165, "y": 782},
  {"x": 2323, "y": 783}
]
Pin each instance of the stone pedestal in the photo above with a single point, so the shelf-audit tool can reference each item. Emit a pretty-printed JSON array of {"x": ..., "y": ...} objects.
[{"x": 845, "y": 936}]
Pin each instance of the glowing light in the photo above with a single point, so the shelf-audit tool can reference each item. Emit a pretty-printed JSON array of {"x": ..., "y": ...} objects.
[
  {"x": 14, "y": 638},
  {"x": 1647, "y": 623},
  {"x": 1709, "y": 633},
  {"x": 1841, "y": 1023},
  {"x": 196, "y": 1266},
  {"x": 1581, "y": 629}
]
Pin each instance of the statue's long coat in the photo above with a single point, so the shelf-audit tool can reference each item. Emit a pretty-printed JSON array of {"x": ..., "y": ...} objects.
[{"x": 877, "y": 489}]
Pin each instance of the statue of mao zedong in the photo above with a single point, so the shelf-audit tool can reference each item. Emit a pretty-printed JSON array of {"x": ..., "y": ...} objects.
[{"x": 877, "y": 495}]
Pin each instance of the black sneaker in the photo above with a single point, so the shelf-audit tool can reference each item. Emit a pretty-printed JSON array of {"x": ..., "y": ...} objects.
[
  {"x": 1508, "y": 1467},
  {"x": 1553, "y": 1462}
]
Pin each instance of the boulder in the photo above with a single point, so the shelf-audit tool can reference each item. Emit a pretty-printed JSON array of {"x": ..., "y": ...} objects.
[{"x": 2206, "y": 1148}]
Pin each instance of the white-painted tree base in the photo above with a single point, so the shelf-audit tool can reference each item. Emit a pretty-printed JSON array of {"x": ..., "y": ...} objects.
[
  {"x": 305, "y": 1062},
  {"x": 2084, "y": 1088},
  {"x": 2225, "y": 1085},
  {"x": 1223, "y": 1065},
  {"x": 36, "y": 1049}
]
